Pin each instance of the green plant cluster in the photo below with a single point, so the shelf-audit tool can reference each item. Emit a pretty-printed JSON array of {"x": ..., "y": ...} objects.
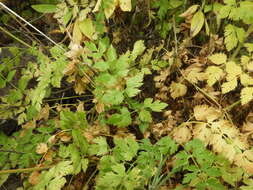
[{"x": 59, "y": 141}]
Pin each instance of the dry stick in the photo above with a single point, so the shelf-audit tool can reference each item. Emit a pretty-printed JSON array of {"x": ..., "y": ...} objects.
[
  {"x": 24, "y": 170},
  {"x": 29, "y": 24}
]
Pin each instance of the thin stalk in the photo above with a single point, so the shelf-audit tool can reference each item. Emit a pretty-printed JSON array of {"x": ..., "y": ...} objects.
[
  {"x": 228, "y": 108},
  {"x": 26, "y": 29},
  {"x": 65, "y": 98},
  {"x": 14, "y": 37},
  {"x": 175, "y": 36},
  {"x": 24, "y": 170},
  {"x": 29, "y": 24},
  {"x": 4, "y": 78}
]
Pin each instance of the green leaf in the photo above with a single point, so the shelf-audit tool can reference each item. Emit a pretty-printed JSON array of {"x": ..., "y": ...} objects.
[
  {"x": 87, "y": 28},
  {"x": 139, "y": 48},
  {"x": 45, "y": 8},
  {"x": 197, "y": 23},
  {"x": 231, "y": 40},
  {"x": 10, "y": 75},
  {"x": 240, "y": 34},
  {"x": 57, "y": 183},
  {"x": 99, "y": 148},
  {"x": 101, "y": 66},
  {"x": 31, "y": 112},
  {"x": 80, "y": 141},
  {"x": 167, "y": 146},
  {"x": 23, "y": 81},
  {"x": 3, "y": 178},
  {"x": 2, "y": 82},
  {"x": 189, "y": 177},
  {"x": 67, "y": 17},
  {"x": 121, "y": 120},
  {"x": 156, "y": 106},
  {"x": 14, "y": 96},
  {"x": 54, "y": 177},
  {"x": 113, "y": 97},
  {"x": 133, "y": 84},
  {"x": 84, "y": 163},
  {"x": 230, "y": 2},
  {"x": 125, "y": 149},
  {"x": 111, "y": 53},
  {"x": 106, "y": 79},
  {"x": 75, "y": 158},
  {"x": 64, "y": 151},
  {"x": 145, "y": 116},
  {"x": 213, "y": 172},
  {"x": 73, "y": 120},
  {"x": 211, "y": 183}
]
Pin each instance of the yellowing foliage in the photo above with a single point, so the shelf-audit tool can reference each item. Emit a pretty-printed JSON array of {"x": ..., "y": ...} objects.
[
  {"x": 177, "y": 90},
  {"x": 218, "y": 58}
]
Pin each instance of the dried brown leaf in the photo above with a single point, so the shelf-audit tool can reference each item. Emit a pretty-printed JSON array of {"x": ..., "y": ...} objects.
[{"x": 41, "y": 148}]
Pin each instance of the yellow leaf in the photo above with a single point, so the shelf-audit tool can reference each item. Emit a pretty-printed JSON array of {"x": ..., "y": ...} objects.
[
  {"x": 218, "y": 58},
  {"x": 228, "y": 86},
  {"x": 214, "y": 74},
  {"x": 206, "y": 113},
  {"x": 207, "y": 28},
  {"x": 192, "y": 9},
  {"x": 246, "y": 95},
  {"x": 182, "y": 135},
  {"x": 194, "y": 74},
  {"x": 245, "y": 60},
  {"x": 246, "y": 79},
  {"x": 77, "y": 34},
  {"x": 41, "y": 148},
  {"x": 177, "y": 90},
  {"x": 87, "y": 28},
  {"x": 197, "y": 23},
  {"x": 97, "y": 6},
  {"x": 250, "y": 66},
  {"x": 202, "y": 132},
  {"x": 125, "y": 5},
  {"x": 109, "y": 10},
  {"x": 244, "y": 160},
  {"x": 233, "y": 70},
  {"x": 217, "y": 143}
]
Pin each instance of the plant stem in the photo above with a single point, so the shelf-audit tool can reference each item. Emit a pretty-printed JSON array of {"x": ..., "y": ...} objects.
[
  {"x": 66, "y": 98},
  {"x": 29, "y": 24},
  {"x": 24, "y": 170},
  {"x": 14, "y": 37},
  {"x": 228, "y": 108}
]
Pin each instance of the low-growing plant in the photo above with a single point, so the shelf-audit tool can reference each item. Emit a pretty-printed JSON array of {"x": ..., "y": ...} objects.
[{"x": 86, "y": 114}]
